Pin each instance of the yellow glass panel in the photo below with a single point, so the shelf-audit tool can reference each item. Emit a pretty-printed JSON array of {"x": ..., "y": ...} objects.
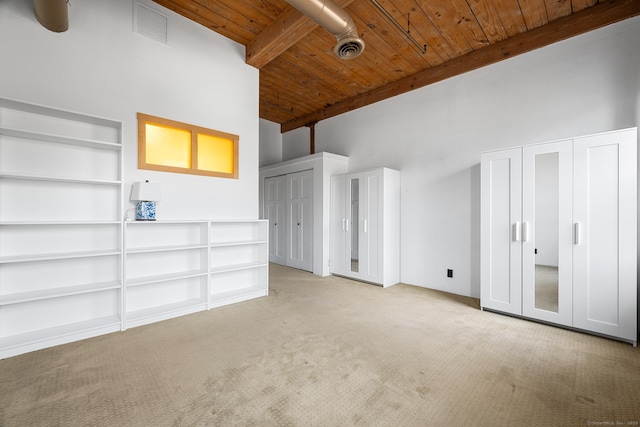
[
  {"x": 168, "y": 146},
  {"x": 215, "y": 154}
]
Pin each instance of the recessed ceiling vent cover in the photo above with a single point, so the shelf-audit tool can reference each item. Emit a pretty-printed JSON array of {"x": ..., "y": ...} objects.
[
  {"x": 150, "y": 23},
  {"x": 349, "y": 47}
]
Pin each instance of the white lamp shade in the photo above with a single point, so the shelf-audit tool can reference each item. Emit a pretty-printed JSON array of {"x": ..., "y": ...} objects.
[{"x": 146, "y": 191}]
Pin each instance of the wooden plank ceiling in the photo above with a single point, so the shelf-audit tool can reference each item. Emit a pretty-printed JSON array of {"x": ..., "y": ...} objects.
[{"x": 303, "y": 82}]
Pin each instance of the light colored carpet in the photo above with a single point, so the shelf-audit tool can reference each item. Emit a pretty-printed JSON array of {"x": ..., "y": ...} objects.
[{"x": 329, "y": 352}]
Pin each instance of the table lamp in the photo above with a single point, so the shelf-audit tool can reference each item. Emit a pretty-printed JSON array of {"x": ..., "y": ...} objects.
[{"x": 146, "y": 194}]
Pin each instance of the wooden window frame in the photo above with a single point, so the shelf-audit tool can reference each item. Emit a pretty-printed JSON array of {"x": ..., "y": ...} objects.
[{"x": 143, "y": 119}]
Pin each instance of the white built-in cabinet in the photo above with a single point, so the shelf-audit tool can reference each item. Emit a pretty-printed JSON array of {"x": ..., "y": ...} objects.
[
  {"x": 71, "y": 268},
  {"x": 173, "y": 268},
  {"x": 558, "y": 233},
  {"x": 365, "y": 226},
  {"x": 60, "y": 226},
  {"x": 289, "y": 208}
]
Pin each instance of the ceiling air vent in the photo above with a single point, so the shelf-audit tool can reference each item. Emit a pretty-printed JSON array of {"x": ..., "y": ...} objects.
[
  {"x": 349, "y": 47},
  {"x": 337, "y": 21},
  {"x": 150, "y": 23}
]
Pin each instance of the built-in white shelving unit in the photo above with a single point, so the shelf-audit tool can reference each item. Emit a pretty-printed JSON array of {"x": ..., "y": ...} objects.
[
  {"x": 71, "y": 268},
  {"x": 60, "y": 227},
  {"x": 174, "y": 268},
  {"x": 239, "y": 261},
  {"x": 165, "y": 269}
]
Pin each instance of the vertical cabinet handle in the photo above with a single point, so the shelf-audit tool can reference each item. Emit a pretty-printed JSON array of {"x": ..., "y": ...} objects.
[
  {"x": 525, "y": 231},
  {"x": 347, "y": 222},
  {"x": 515, "y": 231},
  {"x": 576, "y": 233},
  {"x": 365, "y": 225}
]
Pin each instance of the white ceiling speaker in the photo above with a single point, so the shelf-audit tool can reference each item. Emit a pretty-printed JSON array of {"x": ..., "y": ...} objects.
[{"x": 337, "y": 21}]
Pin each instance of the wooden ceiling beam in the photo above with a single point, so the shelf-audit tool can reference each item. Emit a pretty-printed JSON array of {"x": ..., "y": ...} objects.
[
  {"x": 600, "y": 15},
  {"x": 288, "y": 29}
]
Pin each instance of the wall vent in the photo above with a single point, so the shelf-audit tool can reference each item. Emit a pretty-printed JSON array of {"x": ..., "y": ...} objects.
[{"x": 150, "y": 23}]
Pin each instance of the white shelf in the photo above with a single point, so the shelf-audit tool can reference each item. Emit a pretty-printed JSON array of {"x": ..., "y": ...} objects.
[
  {"x": 59, "y": 139},
  {"x": 22, "y": 297},
  {"x": 58, "y": 113},
  {"x": 111, "y": 323},
  {"x": 165, "y": 248},
  {"x": 167, "y": 221},
  {"x": 237, "y": 267},
  {"x": 154, "y": 314},
  {"x": 33, "y": 177},
  {"x": 138, "y": 281},
  {"x": 236, "y": 221},
  {"x": 219, "y": 299},
  {"x": 238, "y": 243},
  {"x": 33, "y": 223},
  {"x": 57, "y": 256}
]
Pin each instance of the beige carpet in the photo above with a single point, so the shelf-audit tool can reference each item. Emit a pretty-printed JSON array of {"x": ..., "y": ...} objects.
[{"x": 329, "y": 352}]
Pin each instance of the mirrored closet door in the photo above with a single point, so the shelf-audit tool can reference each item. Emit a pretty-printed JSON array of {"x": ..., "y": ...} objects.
[{"x": 547, "y": 232}]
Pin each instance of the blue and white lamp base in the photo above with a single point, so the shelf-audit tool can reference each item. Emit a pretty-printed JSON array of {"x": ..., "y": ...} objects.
[{"x": 146, "y": 211}]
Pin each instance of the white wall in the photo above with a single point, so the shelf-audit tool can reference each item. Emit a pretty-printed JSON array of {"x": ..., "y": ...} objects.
[
  {"x": 100, "y": 67},
  {"x": 296, "y": 143},
  {"x": 434, "y": 136},
  {"x": 270, "y": 143}
]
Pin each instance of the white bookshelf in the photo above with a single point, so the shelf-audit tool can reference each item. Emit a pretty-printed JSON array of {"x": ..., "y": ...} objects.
[
  {"x": 165, "y": 270},
  {"x": 239, "y": 261},
  {"x": 173, "y": 268},
  {"x": 60, "y": 227}
]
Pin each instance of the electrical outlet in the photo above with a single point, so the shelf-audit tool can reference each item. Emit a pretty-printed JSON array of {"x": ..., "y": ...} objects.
[{"x": 449, "y": 273}]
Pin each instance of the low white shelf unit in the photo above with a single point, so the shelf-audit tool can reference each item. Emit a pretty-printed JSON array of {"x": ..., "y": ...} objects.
[{"x": 174, "y": 268}]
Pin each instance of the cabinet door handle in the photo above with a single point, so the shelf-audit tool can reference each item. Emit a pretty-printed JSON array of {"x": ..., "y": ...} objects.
[
  {"x": 347, "y": 222},
  {"x": 365, "y": 225},
  {"x": 525, "y": 231},
  {"x": 515, "y": 231},
  {"x": 576, "y": 233}
]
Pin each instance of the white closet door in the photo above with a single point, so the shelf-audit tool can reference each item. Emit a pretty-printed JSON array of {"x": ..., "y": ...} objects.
[
  {"x": 371, "y": 261},
  {"x": 276, "y": 209},
  {"x": 501, "y": 216},
  {"x": 547, "y": 232},
  {"x": 300, "y": 220},
  {"x": 354, "y": 189},
  {"x": 338, "y": 226},
  {"x": 605, "y": 286}
]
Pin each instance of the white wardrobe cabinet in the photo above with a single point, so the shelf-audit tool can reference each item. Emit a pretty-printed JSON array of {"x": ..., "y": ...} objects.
[
  {"x": 365, "y": 226},
  {"x": 558, "y": 233}
]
